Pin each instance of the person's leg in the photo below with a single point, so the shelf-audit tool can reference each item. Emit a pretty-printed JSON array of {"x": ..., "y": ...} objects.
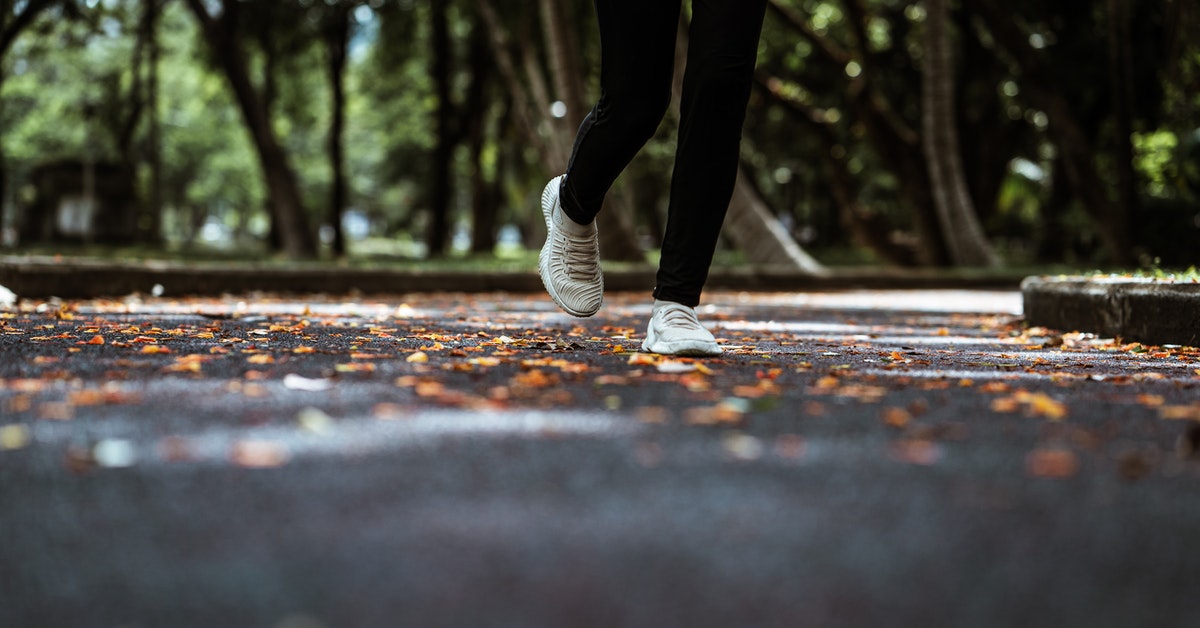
[
  {"x": 722, "y": 48},
  {"x": 637, "y": 43},
  {"x": 637, "y": 59}
]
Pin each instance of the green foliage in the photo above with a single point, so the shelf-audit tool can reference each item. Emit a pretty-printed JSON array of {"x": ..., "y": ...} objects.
[{"x": 69, "y": 87}]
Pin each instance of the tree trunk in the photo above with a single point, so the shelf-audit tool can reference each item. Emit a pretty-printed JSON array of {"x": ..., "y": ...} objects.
[
  {"x": 287, "y": 208},
  {"x": 756, "y": 232},
  {"x": 152, "y": 229},
  {"x": 617, "y": 240},
  {"x": 531, "y": 106},
  {"x": 339, "y": 36},
  {"x": 964, "y": 235},
  {"x": 565, "y": 67},
  {"x": 3, "y": 169},
  {"x": 484, "y": 192},
  {"x": 438, "y": 233},
  {"x": 1120, "y": 72}
]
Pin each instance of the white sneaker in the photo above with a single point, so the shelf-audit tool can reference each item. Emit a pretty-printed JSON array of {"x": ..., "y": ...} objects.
[
  {"x": 570, "y": 260},
  {"x": 675, "y": 330}
]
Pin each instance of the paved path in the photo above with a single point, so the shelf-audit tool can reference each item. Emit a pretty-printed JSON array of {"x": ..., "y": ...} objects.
[{"x": 859, "y": 458}]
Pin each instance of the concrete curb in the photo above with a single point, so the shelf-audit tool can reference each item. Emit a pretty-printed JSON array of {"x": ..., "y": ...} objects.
[
  {"x": 1146, "y": 310},
  {"x": 36, "y": 278}
]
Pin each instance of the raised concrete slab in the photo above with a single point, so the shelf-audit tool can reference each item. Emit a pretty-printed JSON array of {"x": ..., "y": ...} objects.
[{"x": 1150, "y": 310}]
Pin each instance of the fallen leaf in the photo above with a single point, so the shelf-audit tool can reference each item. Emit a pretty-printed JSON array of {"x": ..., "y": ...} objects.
[
  {"x": 675, "y": 366},
  {"x": 420, "y": 357},
  {"x": 114, "y": 453},
  {"x": 1180, "y": 413},
  {"x": 790, "y": 446},
  {"x": 387, "y": 411},
  {"x": 15, "y": 437},
  {"x": 314, "y": 420},
  {"x": 741, "y": 446},
  {"x": 354, "y": 367},
  {"x": 56, "y": 411},
  {"x": 916, "y": 451},
  {"x": 651, "y": 414},
  {"x": 298, "y": 382},
  {"x": 643, "y": 359},
  {"x": 1152, "y": 401},
  {"x": 258, "y": 454},
  {"x": 896, "y": 417},
  {"x": 1041, "y": 404},
  {"x": 1052, "y": 462}
]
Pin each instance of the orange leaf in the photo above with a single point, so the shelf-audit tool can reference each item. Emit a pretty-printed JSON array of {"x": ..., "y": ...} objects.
[
  {"x": 1052, "y": 463},
  {"x": 1180, "y": 413},
  {"x": 1043, "y": 405},
  {"x": 896, "y": 417},
  {"x": 96, "y": 340},
  {"x": 643, "y": 359},
  {"x": 258, "y": 454}
]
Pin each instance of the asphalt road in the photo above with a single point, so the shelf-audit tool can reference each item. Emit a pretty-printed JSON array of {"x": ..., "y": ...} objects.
[{"x": 858, "y": 458}]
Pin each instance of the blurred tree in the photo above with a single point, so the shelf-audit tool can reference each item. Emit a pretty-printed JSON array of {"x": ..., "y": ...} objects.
[
  {"x": 337, "y": 25},
  {"x": 1075, "y": 123},
  {"x": 964, "y": 237},
  {"x": 15, "y": 18},
  {"x": 538, "y": 91},
  {"x": 287, "y": 207}
]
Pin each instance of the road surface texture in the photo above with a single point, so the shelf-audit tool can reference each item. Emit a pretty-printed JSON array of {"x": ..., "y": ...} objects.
[{"x": 857, "y": 458}]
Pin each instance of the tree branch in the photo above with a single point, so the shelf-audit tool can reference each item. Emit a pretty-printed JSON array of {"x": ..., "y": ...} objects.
[{"x": 22, "y": 21}]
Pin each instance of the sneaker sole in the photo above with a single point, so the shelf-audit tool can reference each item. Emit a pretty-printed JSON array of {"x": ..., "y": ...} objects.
[
  {"x": 548, "y": 198},
  {"x": 684, "y": 348}
]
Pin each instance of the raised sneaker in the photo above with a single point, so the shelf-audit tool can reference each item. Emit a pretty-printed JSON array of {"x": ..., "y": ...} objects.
[
  {"x": 675, "y": 330},
  {"x": 570, "y": 260}
]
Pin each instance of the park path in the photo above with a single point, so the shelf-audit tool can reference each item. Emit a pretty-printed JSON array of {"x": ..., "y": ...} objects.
[{"x": 855, "y": 458}]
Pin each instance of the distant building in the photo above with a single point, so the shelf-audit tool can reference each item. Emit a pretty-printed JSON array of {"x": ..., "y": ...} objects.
[{"x": 79, "y": 202}]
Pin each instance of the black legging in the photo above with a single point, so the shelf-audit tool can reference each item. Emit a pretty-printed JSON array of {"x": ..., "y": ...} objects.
[{"x": 637, "y": 49}]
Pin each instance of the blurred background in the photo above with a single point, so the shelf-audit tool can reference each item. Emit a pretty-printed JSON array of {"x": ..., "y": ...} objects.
[{"x": 980, "y": 133}]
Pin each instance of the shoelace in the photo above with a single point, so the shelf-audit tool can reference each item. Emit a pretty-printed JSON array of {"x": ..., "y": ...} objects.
[
  {"x": 679, "y": 315},
  {"x": 580, "y": 256}
]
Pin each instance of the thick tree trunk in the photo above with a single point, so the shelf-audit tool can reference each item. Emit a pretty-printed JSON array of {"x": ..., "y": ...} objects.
[
  {"x": 617, "y": 239},
  {"x": 150, "y": 227},
  {"x": 963, "y": 234},
  {"x": 565, "y": 67},
  {"x": 3, "y": 169},
  {"x": 287, "y": 208},
  {"x": 531, "y": 106},
  {"x": 759, "y": 235},
  {"x": 339, "y": 37},
  {"x": 484, "y": 191},
  {"x": 1120, "y": 72},
  {"x": 438, "y": 234}
]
